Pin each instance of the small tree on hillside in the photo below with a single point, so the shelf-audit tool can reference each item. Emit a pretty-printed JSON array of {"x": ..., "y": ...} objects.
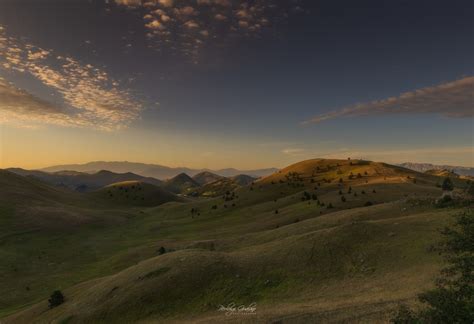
[
  {"x": 56, "y": 299},
  {"x": 447, "y": 185}
]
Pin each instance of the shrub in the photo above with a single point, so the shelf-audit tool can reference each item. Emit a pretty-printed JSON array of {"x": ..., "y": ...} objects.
[
  {"x": 161, "y": 250},
  {"x": 56, "y": 299},
  {"x": 447, "y": 185},
  {"x": 367, "y": 204},
  {"x": 343, "y": 199},
  {"x": 329, "y": 206},
  {"x": 444, "y": 202},
  {"x": 470, "y": 189}
]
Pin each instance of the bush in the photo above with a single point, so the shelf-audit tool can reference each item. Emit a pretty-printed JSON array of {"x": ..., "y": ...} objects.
[
  {"x": 447, "y": 185},
  {"x": 56, "y": 299},
  {"x": 329, "y": 206},
  {"x": 161, "y": 250},
  {"x": 444, "y": 202},
  {"x": 343, "y": 199},
  {"x": 367, "y": 204}
]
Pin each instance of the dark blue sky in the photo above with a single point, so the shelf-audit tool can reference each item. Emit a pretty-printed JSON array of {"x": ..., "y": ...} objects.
[{"x": 252, "y": 79}]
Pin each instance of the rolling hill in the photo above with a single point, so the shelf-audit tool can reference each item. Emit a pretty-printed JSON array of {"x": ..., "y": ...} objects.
[
  {"x": 83, "y": 182},
  {"x": 152, "y": 170},
  {"x": 181, "y": 184},
  {"x": 224, "y": 186},
  {"x": 206, "y": 177},
  {"x": 135, "y": 193},
  {"x": 287, "y": 242}
]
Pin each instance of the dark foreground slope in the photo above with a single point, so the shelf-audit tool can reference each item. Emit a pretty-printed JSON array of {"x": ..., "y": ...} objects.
[{"x": 274, "y": 243}]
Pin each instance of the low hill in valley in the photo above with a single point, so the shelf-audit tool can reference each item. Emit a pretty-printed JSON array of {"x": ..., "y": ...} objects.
[
  {"x": 181, "y": 184},
  {"x": 135, "y": 193},
  {"x": 206, "y": 177},
  {"x": 83, "y": 182}
]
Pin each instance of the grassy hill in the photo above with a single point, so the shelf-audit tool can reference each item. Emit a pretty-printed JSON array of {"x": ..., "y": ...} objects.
[
  {"x": 206, "y": 177},
  {"x": 83, "y": 182},
  {"x": 275, "y": 243},
  {"x": 224, "y": 186},
  {"x": 243, "y": 179},
  {"x": 135, "y": 193},
  {"x": 181, "y": 184}
]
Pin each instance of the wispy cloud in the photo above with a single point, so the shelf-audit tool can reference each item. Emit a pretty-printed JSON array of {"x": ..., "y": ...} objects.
[
  {"x": 453, "y": 99},
  {"x": 189, "y": 25},
  {"x": 90, "y": 97},
  {"x": 294, "y": 151},
  {"x": 19, "y": 105}
]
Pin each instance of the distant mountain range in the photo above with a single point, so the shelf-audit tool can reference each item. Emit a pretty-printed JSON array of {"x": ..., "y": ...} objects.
[
  {"x": 83, "y": 182},
  {"x": 181, "y": 184},
  {"x": 153, "y": 170},
  {"x": 423, "y": 167}
]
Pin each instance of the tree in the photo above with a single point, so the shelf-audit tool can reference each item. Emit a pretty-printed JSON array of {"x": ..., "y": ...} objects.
[
  {"x": 447, "y": 185},
  {"x": 56, "y": 299},
  {"x": 452, "y": 301},
  {"x": 470, "y": 189}
]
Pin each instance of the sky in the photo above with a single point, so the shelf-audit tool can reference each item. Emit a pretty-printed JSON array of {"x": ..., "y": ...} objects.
[{"x": 244, "y": 84}]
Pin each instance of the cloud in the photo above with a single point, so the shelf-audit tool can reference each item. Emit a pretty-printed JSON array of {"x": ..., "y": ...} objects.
[
  {"x": 453, "y": 99},
  {"x": 294, "y": 151},
  {"x": 90, "y": 97},
  {"x": 178, "y": 25}
]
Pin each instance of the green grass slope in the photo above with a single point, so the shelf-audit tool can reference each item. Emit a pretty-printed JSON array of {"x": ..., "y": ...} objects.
[
  {"x": 181, "y": 184},
  {"x": 206, "y": 177},
  {"x": 135, "y": 193},
  {"x": 275, "y": 243}
]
